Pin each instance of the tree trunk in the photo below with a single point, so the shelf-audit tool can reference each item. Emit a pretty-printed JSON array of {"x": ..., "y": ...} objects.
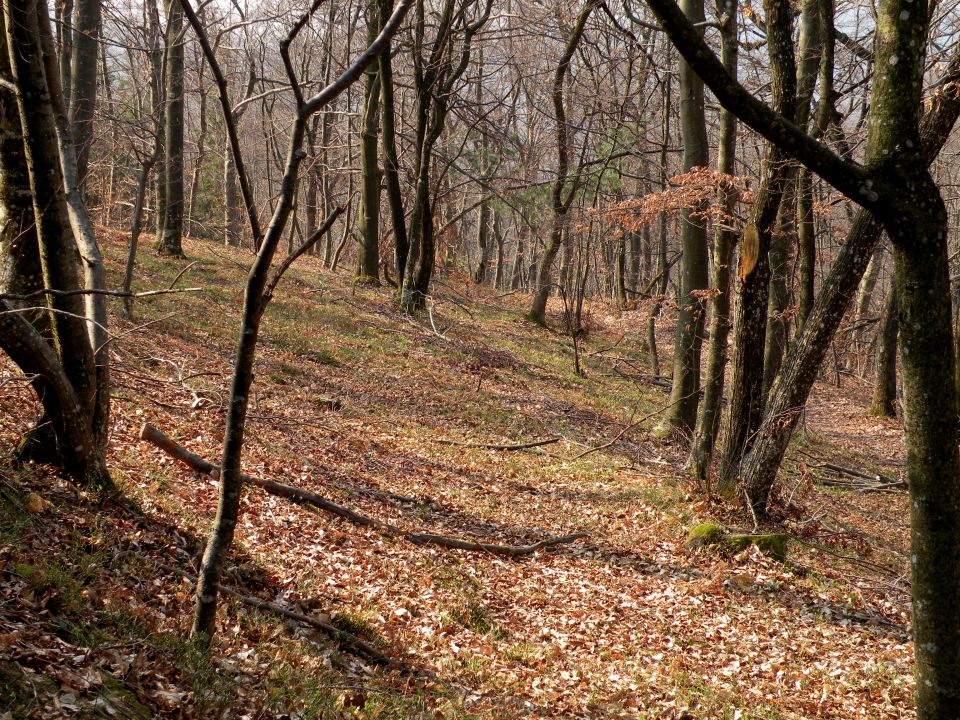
[
  {"x": 391, "y": 163},
  {"x": 198, "y": 162},
  {"x": 20, "y": 271},
  {"x": 807, "y": 246},
  {"x": 65, "y": 24},
  {"x": 83, "y": 88},
  {"x": 171, "y": 238},
  {"x": 884, "y": 401},
  {"x": 864, "y": 297},
  {"x": 259, "y": 289},
  {"x": 231, "y": 199},
  {"x": 368, "y": 225},
  {"x": 750, "y": 308},
  {"x": 67, "y": 370},
  {"x": 685, "y": 388},
  {"x": 897, "y": 187},
  {"x": 775, "y": 343},
  {"x": 708, "y": 422},
  {"x": 157, "y": 54},
  {"x": 561, "y": 204}
]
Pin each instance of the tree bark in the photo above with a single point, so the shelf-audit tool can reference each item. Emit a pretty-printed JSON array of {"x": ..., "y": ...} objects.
[
  {"x": 884, "y": 402},
  {"x": 83, "y": 82},
  {"x": 750, "y": 308},
  {"x": 368, "y": 225},
  {"x": 69, "y": 386},
  {"x": 171, "y": 238},
  {"x": 259, "y": 290}
]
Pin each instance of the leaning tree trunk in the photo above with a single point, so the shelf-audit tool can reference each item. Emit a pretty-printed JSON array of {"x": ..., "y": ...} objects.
[
  {"x": 896, "y": 185},
  {"x": 750, "y": 308},
  {"x": 790, "y": 392}
]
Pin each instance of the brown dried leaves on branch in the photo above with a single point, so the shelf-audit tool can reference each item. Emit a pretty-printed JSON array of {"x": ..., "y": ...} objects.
[{"x": 694, "y": 190}]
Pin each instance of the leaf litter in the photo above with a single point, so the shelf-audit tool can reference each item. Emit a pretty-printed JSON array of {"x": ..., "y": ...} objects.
[{"x": 627, "y": 623}]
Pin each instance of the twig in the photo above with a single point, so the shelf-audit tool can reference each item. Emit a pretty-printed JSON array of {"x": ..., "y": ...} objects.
[
  {"x": 109, "y": 293},
  {"x": 181, "y": 274}
]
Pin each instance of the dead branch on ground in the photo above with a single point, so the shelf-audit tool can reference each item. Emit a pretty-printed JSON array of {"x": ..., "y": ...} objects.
[
  {"x": 299, "y": 495},
  {"x": 498, "y": 446}
]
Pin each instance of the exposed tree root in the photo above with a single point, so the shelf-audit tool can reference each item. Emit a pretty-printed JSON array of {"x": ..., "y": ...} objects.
[{"x": 298, "y": 495}]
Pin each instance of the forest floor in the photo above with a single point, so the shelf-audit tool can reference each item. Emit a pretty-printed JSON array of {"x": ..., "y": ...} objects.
[{"x": 357, "y": 403}]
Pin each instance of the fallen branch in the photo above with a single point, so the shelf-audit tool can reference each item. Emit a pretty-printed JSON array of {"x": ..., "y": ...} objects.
[
  {"x": 496, "y": 446},
  {"x": 95, "y": 291},
  {"x": 298, "y": 495},
  {"x": 623, "y": 432},
  {"x": 862, "y": 480},
  {"x": 508, "y": 550}
]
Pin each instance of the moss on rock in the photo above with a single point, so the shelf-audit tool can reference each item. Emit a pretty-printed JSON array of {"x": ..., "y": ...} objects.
[
  {"x": 711, "y": 534},
  {"x": 705, "y": 534}
]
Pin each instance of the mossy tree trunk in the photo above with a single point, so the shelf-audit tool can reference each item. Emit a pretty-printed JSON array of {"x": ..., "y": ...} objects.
[{"x": 896, "y": 186}]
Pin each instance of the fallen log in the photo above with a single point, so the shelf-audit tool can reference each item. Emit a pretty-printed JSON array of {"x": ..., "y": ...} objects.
[{"x": 298, "y": 495}]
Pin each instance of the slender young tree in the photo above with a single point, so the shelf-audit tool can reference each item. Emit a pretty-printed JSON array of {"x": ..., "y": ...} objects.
[
  {"x": 708, "y": 421},
  {"x": 685, "y": 388},
  {"x": 562, "y": 195},
  {"x": 260, "y": 285}
]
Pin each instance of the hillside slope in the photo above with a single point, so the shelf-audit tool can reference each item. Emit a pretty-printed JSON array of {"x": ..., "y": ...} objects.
[{"x": 378, "y": 412}]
